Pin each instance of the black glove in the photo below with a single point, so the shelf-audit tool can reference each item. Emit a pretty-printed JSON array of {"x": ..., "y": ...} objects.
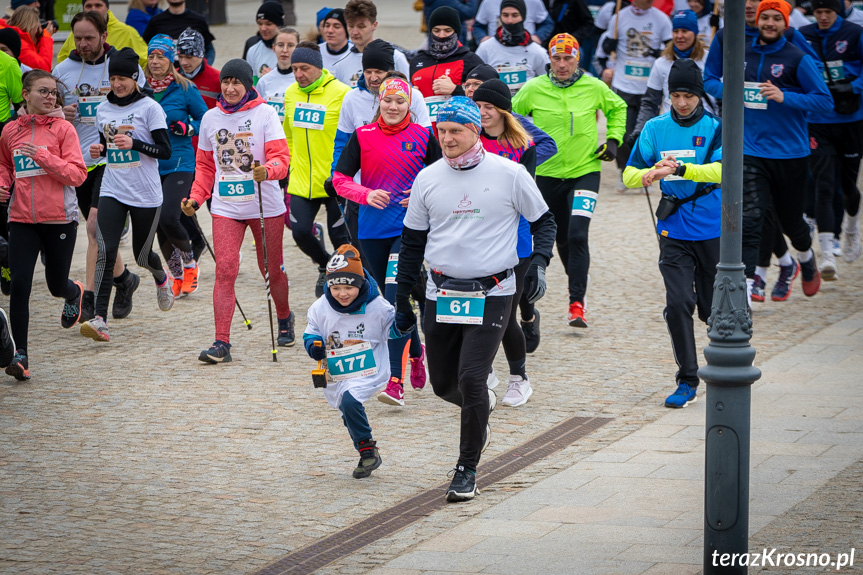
[
  {"x": 181, "y": 129},
  {"x": 632, "y": 138},
  {"x": 609, "y": 46},
  {"x": 329, "y": 188},
  {"x": 654, "y": 52},
  {"x": 317, "y": 352},
  {"x": 406, "y": 321},
  {"x": 534, "y": 282},
  {"x": 714, "y": 21},
  {"x": 607, "y": 152}
]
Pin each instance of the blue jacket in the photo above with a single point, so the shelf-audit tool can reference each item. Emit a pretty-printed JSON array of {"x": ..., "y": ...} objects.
[
  {"x": 138, "y": 19},
  {"x": 841, "y": 45},
  {"x": 713, "y": 64},
  {"x": 699, "y": 219},
  {"x": 780, "y": 131},
  {"x": 545, "y": 146},
  {"x": 185, "y": 106}
]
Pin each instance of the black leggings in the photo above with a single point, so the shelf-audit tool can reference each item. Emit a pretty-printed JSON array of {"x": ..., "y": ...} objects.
[
  {"x": 514, "y": 345},
  {"x": 378, "y": 252},
  {"x": 25, "y": 240},
  {"x": 303, "y": 212},
  {"x": 111, "y": 219},
  {"x": 172, "y": 233},
  {"x": 572, "y": 226},
  {"x": 835, "y": 163},
  {"x": 772, "y": 241},
  {"x": 633, "y": 104}
]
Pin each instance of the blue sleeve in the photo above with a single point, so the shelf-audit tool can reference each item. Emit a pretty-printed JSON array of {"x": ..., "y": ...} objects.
[
  {"x": 466, "y": 8},
  {"x": 545, "y": 146},
  {"x": 713, "y": 68},
  {"x": 309, "y": 340},
  {"x": 340, "y": 143},
  {"x": 196, "y": 107},
  {"x": 137, "y": 20},
  {"x": 815, "y": 96},
  {"x": 642, "y": 155},
  {"x": 480, "y": 31},
  {"x": 544, "y": 29},
  {"x": 800, "y": 41}
]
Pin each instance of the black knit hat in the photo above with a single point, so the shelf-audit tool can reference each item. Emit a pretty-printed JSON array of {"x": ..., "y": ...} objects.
[
  {"x": 379, "y": 55},
  {"x": 686, "y": 76},
  {"x": 12, "y": 40},
  {"x": 239, "y": 69},
  {"x": 445, "y": 16},
  {"x": 517, "y": 4},
  {"x": 494, "y": 92},
  {"x": 829, "y": 4},
  {"x": 338, "y": 14},
  {"x": 273, "y": 12},
  {"x": 482, "y": 73},
  {"x": 124, "y": 63}
]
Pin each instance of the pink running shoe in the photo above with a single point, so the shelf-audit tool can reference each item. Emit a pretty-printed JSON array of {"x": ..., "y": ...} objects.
[
  {"x": 394, "y": 394},
  {"x": 418, "y": 369}
]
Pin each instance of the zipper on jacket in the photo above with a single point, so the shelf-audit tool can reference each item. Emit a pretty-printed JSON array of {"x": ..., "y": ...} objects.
[
  {"x": 309, "y": 149},
  {"x": 32, "y": 183},
  {"x": 571, "y": 122}
]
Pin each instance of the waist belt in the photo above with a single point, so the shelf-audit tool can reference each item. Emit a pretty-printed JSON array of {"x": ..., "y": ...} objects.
[{"x": 469, "y": 284}]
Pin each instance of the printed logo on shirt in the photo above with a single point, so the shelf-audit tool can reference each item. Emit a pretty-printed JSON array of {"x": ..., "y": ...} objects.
[
  {"x": 245, "y": 126},
  {"x": 813, "y": 143},
  {"x": 698, "y": 141},
  {"x": 638, "y": 43},
  {"x": 465, "y": 202},
  {"x": 777, "y": 69},
  {"x": 407, "y": 146},
  {"x": 357, "y": 333},
  {"x": 841, "y": 46},
  {"x": 506, "y": 155}
]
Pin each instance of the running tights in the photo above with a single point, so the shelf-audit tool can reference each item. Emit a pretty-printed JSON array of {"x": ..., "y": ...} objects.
[
  {"x": 172, "y": 233},
  {"x": 303, "y": 214}
]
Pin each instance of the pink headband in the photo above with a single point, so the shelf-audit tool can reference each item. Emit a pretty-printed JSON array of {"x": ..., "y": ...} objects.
[{"x": 395, "y": 87}]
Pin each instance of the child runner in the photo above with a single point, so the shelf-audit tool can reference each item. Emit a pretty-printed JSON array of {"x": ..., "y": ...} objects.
[
  {"x": 40, "y": 154},
  {"x": 352, "y": 322}
]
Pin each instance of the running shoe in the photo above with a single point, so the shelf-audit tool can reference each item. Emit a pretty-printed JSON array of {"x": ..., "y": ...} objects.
[
  {"x": 370, "y": 459},
  {"x": 837, "y": 249},
  {"x": 286, "y": 331},
  {"x": 20, "y": 367},
  {"x": 164, "y": 294},
  {"x": 72, "y": 308},
  {"x": 123, "y": 295},
  {"x": 683, "y": 396},
  {"x": 418, "y": 369},
  {"x": 5, "y": 280},
  {"x": 177, "y": 288},
  {"x": 518, "y": 392},
  {"x": 7, "y": 343},
  {"x": 463, "y": 485},
  {"x": 96, "y": 329},
  {"x": 576, "y": 314},
  {"x": 531, "y": 332},
  {"x": 492, "y": 380},
  {"x": 492, "y": 401},
  {"x": 850, "y": 243},
  {"x": 810, "y": 277},
  {"x": 486, "y": 438},
  {"x": 394, "y": 394},
  {"x": 757, "y": 292},
  {"x": 88, "y": 306},
  {"x": 787, "y": 274},
  {"x": 828, "y": 267},
  {"x": 322, "y": 281},
  {"x": 190, "y": 280},
  {"x": 219, "y": 352}
]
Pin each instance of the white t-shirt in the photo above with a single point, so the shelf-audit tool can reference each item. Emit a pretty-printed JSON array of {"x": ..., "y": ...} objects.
[
  {"x": 261, "y": 59},
  {"x": 349, "y": 67},
  {"x": 472, "y": 217},
  {"x": 515, "y": 64},
  {"x": 360, "y": 106},
  {"x": 705, "y": 32},
  {"x": 489, "y": 12},
  {"x": 340, "y": 331},
  {"x": 329, "y": 58},
  {"x": 659, "y": 81},
  {"x": 603, "y": 17},
  {"x": 272, "y": 89},
  {"x": 797, "y": 19},
  {"x": 856, "y": 16},
  {"x": 636, "y": 37},
  {"x": 90, "y": 82},
  {"x": 236, "y": 141}
]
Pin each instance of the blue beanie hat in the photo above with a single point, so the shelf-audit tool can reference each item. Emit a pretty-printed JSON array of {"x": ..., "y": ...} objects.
[
  {"x": 19, "y": 3},
  {"x": 322, "y": 14},
  {"x": 461, "y": 110},
  {"x": 163, "y": 43},
  {"x": 685, "y": 19}
]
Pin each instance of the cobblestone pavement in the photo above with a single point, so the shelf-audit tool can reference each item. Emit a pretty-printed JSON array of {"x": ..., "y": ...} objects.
[{"x": 132, "y": 457}]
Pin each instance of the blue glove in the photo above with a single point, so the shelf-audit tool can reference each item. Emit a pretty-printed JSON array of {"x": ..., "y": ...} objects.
[{"x": 316, "y": 352}]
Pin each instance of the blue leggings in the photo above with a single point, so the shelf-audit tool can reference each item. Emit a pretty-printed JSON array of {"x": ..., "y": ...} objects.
[
  {"x": 354, "y": 416},
  {"x": 377, "y": 253}
]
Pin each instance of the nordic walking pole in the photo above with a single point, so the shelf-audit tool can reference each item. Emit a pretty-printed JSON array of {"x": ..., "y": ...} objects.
[
  {"x": 616, "y": 18},
  {"x": 209, "y": 249},
  {"x": 652, "y": 217},
  {"x": 266, "y": 266}
]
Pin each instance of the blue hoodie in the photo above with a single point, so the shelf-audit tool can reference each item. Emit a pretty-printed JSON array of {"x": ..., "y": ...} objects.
[
  {"x": 842, "y": 42},
  {"x": 780, "y": 131},
  {"x": 185, "y": 106}
]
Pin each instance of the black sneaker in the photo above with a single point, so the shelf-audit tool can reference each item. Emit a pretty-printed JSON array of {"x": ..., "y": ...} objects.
[
  {"x": 7, "y": 344},
  {"x": 531, "y": 332},
  {"x": 72, "y": 308},
  {"x": 88, "y": 307},
  {"x": 322, "y": 281},
  {"x": 286, "y": 332},
  {"x": 219, "y": 352},
  {"x": 5, "y": 280},
  {"x": 123, "y": 296},
  {"x": 20, "y": 367},
  {"x": 370, "y": 459},
  {"x": 463, "y": 486}
]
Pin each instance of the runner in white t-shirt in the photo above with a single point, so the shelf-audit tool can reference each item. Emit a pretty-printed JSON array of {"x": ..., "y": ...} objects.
[
  {"x": 463, "y": 218},
  {"x": 134, "y": 136},
  {"x": 272, "y": 86}
]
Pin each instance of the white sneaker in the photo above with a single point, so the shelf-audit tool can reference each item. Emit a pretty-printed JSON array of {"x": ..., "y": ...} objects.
[
  {"x": 492, "y": 379},
  {"x": 487, "y": 438},
  {"x": 837, "y": 250},
  {"x": 828, "y": 266},
  {"x": 96, "y": 329},
  {"x": 851, "y": 244},
  {"x": 518, "y": 392},
  {"x": 492, "y": 401},
  {"x": 165, "y": 295}
]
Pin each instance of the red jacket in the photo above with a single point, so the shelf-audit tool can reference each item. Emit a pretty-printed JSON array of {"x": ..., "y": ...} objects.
[
  {"x": 49, "y": 197},
  {"x": 208, "y": 84},
  {"x": 36, "y": 56}
]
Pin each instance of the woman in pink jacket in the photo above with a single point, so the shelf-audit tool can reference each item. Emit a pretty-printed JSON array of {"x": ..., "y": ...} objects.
[{"x": 40, "y": 155}]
